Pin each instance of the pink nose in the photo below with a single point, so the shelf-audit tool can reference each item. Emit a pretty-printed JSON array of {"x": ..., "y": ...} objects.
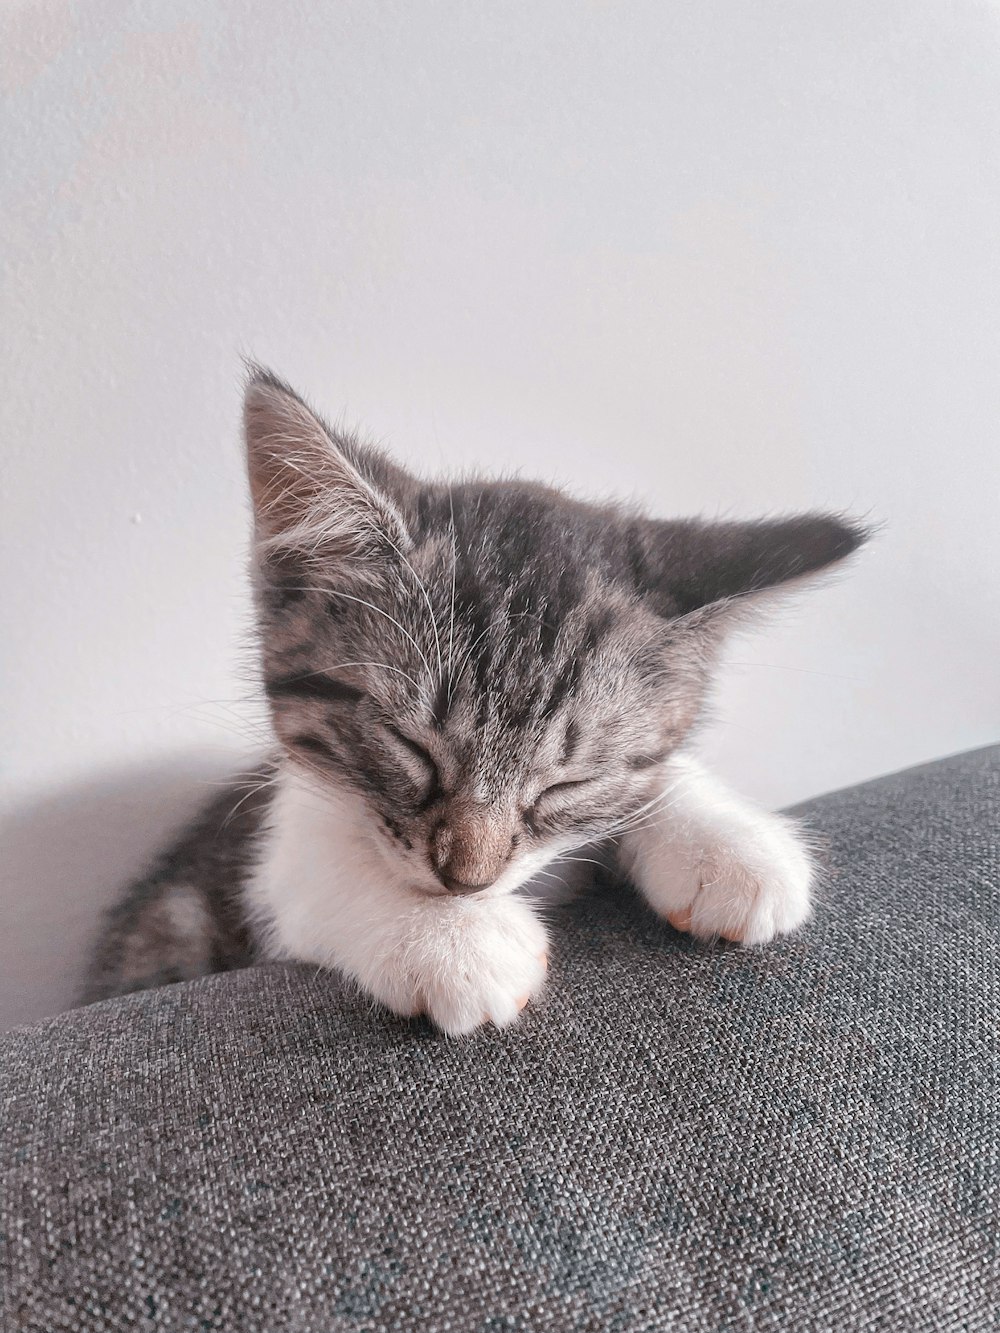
[{"x": 471, "y": 846}]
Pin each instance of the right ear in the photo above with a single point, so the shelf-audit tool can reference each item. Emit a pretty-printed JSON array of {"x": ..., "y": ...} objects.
[
  {"x": 313, "y": 492},
  {"x": 691, "y": 567}
]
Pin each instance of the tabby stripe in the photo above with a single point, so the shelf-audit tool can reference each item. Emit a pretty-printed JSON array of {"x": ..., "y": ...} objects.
[
  {"x": 640, "y": 761},
  {"x": 313, "y": 745},
  {"x": 311, "y": 686}
]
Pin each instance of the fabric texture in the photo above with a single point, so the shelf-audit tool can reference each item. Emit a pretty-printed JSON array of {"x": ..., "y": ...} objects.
[{"x": 677, "y": 1137}]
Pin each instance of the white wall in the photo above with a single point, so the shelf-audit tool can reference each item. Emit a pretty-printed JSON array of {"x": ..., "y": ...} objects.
[{"x": 727, "y": 257}]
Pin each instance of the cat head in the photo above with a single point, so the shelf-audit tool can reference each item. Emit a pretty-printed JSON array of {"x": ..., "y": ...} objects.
[{"x": 494, "y": 671}]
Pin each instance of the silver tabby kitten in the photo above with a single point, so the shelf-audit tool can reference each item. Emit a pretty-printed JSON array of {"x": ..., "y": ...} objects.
[{"x": 467, "y": 683}]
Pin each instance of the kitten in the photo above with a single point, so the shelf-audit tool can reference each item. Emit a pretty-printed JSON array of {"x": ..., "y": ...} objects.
[{"x": 467, "y": 683}]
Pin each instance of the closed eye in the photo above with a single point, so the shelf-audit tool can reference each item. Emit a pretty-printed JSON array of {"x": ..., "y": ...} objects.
[
  {"x": 553, "y": 795},
  {"x": 418, "y": 753},
  {"x": 558, "y": 788}
]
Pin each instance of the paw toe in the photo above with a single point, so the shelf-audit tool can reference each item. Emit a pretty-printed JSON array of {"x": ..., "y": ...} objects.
[{"x": 731, "y": 934}]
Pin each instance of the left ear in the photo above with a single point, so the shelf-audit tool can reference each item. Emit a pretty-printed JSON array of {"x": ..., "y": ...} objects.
[
  {"x": 690, "y": 566},
  {"x": 316, "y": 493}
]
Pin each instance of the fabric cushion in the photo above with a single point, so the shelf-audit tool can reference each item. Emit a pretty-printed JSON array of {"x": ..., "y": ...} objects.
[{"x": 678, "y": 1137}]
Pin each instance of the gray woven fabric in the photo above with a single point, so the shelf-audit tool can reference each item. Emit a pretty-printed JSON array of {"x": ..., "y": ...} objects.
[{"x": 677, "y": 1138}]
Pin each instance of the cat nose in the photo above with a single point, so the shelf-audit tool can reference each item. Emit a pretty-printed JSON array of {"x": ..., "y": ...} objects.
[
  {"x": 471, "y": 846},
  {"x": 460, "y": 887}
]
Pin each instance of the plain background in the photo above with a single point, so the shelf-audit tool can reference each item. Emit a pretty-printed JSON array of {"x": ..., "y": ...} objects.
[{"x": 727, "y": 258}]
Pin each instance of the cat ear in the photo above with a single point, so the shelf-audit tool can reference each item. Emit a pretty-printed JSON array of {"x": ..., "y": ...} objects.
[
  {"x": 315, "y": 493},
  {"x": 710, "y": 571}
]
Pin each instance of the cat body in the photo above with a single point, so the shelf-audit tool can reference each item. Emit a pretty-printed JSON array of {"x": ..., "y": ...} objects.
[{"x": 469, "y": 684}]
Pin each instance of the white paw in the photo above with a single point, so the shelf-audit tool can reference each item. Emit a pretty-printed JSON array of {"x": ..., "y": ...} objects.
[
  {"x": 747, "y": 887},
  {"x": 463, "y": 963}
]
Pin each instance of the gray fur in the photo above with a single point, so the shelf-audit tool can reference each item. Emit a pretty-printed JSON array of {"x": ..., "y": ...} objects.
[
  {"x": 446, "y": 651},
  {"x": 147, "y": 938}
]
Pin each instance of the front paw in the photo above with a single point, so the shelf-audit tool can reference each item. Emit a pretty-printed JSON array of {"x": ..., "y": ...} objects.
[
  {"x": 745, "y": 888},
  {"x": 463, "y": 963}
]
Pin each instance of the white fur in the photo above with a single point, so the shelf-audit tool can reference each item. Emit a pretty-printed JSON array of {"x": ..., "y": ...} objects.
[
  {"x": 715, "y": 864},
  {"x": 326, "y": 891}
]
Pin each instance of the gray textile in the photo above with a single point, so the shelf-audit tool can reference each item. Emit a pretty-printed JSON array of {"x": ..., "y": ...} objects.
[{"x": 679, "y": 1138}]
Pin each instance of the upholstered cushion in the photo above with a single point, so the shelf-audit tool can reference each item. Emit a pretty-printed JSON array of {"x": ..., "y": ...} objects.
[{"x": 678, "y": 1137}]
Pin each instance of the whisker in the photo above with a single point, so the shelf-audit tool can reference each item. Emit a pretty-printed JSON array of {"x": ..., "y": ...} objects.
[
  {"x": 454, "y": 575},
  {"x": 430, "y": 609},
  {"x": 579, "y": 860},
  {"x": 645, "y": 815},
  {"x": 629, "y": 824},
  {"x": 243, "y": 733},
  {"x": 383, "y": 666},
  {"x": 269, "y": 782},
  {"x": 783, "y": 666},
  {"x": 361, "y": 601},
  {"x": 323, "y": 776}
]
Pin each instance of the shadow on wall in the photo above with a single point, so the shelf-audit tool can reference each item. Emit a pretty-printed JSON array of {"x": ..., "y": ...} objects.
[{"x": 67, "y": 857}]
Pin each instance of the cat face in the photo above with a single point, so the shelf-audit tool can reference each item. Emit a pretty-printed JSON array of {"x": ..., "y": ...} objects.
[
  {"x": 489, "y": 718},
  {"x": 494, "y": 672}
]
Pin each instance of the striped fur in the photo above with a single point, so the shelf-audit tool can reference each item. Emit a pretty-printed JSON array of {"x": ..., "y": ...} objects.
[{"x": 472, "y": 679}]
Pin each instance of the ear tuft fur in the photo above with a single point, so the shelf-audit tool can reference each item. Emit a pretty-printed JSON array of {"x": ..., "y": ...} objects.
[{"x": 312, "y": 493}]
